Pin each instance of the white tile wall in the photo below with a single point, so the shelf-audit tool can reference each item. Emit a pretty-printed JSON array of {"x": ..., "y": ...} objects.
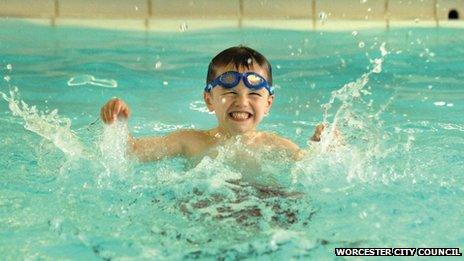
[
  {"x": 103, "y": 8},
  {"x": 444, "y": 6},
  {"x": 237, "y": 12},
  {"x": 277, "y": 9},
  {"x": 27, "y": 8},
  {"x": 352, "y": 9},
  {"x": 214, "y": 9},
  {"x": 412, "y": 9}
]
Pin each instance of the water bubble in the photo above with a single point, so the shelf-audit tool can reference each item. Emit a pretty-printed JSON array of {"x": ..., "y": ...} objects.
[
  {"x": 383, "y": 50},
  {"x": 158, "y": 64},
  {"x": 363, "y": 215},
  {"x": 183, "y": 27},
  {"x": 449, "y": 104},
  {"x": 361, "y": 44},
  {"x": 278, "y": 66},
  {"x": 369, "y": 9},
  {"x": 136, "y": 8},
  {"x": 439, "y": 103},
  {"x": 322, "y": 17},
  {"x": 354, "y": 33},
  {"x": 7, "y": 78},
  {"x": 9, "y": 67},
  {"x": 165, "y": 83},
  {"x": 363, "y": 1},
  {"x": 342, "y": 62},
  {"x": 249, "y": 61}
]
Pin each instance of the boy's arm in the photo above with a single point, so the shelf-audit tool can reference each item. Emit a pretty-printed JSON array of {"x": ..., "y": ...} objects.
[
  {"x": 145, "y": 149},
  {"x": 286, "y": 145},
  {"x": 294, "y": 150},
  {"x": 156, "y": 148}
]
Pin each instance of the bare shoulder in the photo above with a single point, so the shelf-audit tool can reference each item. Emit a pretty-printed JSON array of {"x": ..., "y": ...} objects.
[
  {"x": 193, "y": 141},
  {"x": 190, "y": 134}
]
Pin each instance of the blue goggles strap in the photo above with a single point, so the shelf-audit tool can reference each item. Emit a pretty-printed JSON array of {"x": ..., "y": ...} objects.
[{"x": 237, "y": 78}]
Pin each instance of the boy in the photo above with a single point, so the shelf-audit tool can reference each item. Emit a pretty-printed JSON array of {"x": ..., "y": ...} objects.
[{"x": 239, "y": 91}]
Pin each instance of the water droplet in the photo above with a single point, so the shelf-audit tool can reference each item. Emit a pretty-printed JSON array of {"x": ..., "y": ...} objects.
[
  {"x": 249, "y": 61},
  {"x": 439, "y": 103},
  {"x": 136, "y": 8},
  {"x": 158, "y": 64},
  {"x": 417, "y": 20},
  {"x": 165, "y": 83},
  {"x": 322, "y": 17},
  {"x": 449, "y": 104},
  {"x": 183, "y": 27},
  {"x": 354, "y": 33},
  {"x": 278, "y": 66},
  {"x": 9, "y": 67},
  {"x": 369, "y": 9},
  {"x": 361, "y": 44},
  {"x": 363, "y": 1},
  {"x": 383, "y": 50},
  {"x": 7, "y": 78}
]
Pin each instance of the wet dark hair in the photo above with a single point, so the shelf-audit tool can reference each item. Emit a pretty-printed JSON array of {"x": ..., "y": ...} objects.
[{"x": 241, "y": 57}]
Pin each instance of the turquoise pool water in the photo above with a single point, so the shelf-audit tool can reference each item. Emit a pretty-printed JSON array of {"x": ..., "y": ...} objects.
[{"x": 68, "y": 190}]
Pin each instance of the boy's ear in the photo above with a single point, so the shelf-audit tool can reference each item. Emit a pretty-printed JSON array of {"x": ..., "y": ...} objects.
[
  {"x": 270, "y": 100},
  {"x": 207, "y": 97}
]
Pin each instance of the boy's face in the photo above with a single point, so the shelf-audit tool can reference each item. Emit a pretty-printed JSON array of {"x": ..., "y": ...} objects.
[{"x": 239, "y": 109}]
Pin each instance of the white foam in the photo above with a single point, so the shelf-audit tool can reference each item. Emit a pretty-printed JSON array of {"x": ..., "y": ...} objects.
[
  {"x": 90, "y": 79},
  {"x": 50, "y": 126}
]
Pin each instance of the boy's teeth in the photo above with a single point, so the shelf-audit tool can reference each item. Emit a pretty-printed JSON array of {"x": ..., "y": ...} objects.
[{"x": 240, "y": 115}]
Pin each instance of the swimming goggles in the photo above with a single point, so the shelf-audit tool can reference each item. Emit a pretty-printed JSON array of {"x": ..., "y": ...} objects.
[{"x": 231, "y": 79}]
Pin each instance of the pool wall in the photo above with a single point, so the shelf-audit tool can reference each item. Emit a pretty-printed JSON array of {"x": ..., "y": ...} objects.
[{"x": 298, "y": 14}]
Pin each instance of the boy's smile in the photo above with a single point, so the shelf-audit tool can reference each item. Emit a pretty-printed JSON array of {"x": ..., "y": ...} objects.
[{"x": 239, "y": 109}]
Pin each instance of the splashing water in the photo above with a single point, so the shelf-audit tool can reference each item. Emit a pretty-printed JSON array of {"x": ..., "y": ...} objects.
[
  {"x": 48, "y": 125},
  {"x": 353, "y": 134},
  {"x": 113, "y": 148}
]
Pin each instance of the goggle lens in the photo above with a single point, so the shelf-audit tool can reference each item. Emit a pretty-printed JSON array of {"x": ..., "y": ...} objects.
[
  {"x": 254, "y": 80},
  {"x": 229, "y": 79}
]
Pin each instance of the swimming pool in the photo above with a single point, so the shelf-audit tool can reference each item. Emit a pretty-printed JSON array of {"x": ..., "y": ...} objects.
[{"x": 66, "y": 193}]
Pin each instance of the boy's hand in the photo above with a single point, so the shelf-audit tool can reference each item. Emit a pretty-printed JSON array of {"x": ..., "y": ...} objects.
[
  {"x": 317, "y": 132},
  {"x": 113, "y": 109},
  {"x": 336, "y": 135}
]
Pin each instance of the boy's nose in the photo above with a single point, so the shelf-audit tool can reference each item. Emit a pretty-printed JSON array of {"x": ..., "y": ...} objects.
[{"x": 241, "y": 100}]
